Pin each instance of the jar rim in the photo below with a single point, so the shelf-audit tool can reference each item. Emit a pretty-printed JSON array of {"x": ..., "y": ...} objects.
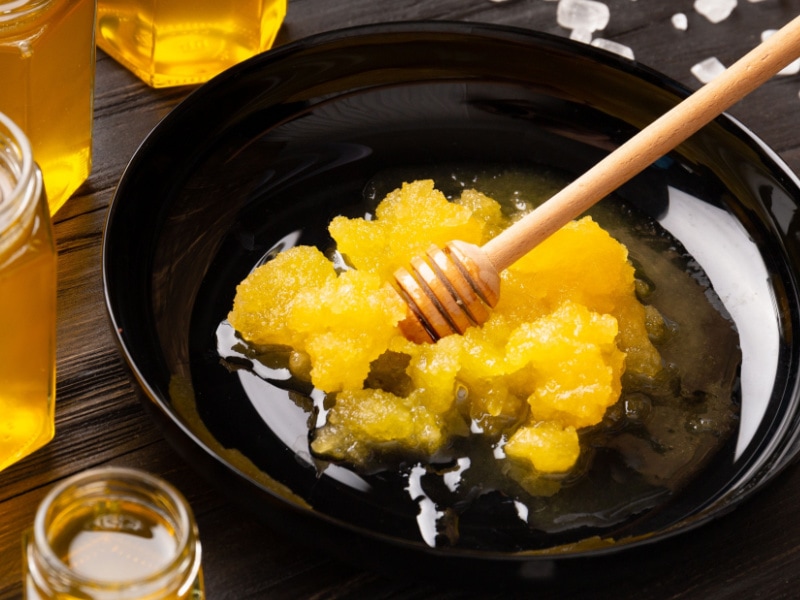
[
  {"x": 184, "y": 525},
  {"x": 21, "y": 153},
  {"x": 14, "y": 9}
]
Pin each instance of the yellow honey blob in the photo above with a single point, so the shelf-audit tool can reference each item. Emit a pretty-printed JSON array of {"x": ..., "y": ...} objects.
[
  {"x": 406, "y": 223},
  {"x": 364, "y": 420},
  {"x": 546, "y": 365},
  {"x": 547, "y": 446}
]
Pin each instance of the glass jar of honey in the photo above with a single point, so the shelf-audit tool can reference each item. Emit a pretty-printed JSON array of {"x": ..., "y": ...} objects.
[
  {"x": 27, "y": 301},
  {"x": 113, "y": 533},
  {"x": 180, "y": 42},
  {"x": 47, "y": 65}
]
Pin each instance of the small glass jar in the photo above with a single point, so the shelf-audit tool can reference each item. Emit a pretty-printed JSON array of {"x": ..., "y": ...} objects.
[
  {"x": 27, "y": 302},
  {"x": 47, "y": 65},
  {"x": 113, "y": 533},
  {"x": 180, "y": 42}
]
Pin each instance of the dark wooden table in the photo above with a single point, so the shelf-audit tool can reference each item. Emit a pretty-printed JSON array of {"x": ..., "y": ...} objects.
[{"x": 752, "y": 553}]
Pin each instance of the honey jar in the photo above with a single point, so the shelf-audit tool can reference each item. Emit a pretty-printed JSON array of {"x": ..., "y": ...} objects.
[
  {"x": 47, "y": 62},
  {"x": 180, "y": 42},
  {"x": 113, "y": 533},
  {"x": 27, "y": 301}
]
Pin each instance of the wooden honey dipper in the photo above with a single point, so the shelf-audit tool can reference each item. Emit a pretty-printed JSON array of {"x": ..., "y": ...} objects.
[{"x": 453, "y": 288}]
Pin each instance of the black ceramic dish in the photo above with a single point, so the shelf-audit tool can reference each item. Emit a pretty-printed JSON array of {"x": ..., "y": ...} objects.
[{"x": 267, "y": 153}]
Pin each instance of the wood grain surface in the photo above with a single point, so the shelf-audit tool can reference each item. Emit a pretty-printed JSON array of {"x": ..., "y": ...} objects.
[{"x": 754, "y": 552}]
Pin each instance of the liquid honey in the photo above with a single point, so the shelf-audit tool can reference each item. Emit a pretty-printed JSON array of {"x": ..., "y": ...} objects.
[
  {"x": 180, "y": 42},
  {"x": 47, "y": 64},
  {"x": 27, "y": 319},
  {"x": 27, "y": 354},
  {"x": 109, "y": 534},
  {"x": 113, "y": 541}
]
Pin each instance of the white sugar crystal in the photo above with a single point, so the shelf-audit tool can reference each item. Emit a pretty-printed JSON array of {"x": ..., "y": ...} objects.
[
  {"x": 715, "y": 10},
  {"x": 680, "y": 21},
  {"x": 707, "y": 69},
  {"x": 522, "y": 511},
  {"x": 614, "y": 47},
  {"x": 792, "y": 68},
  {"x": 582, "y": 14},
  {"x": 581, "y": 35}
]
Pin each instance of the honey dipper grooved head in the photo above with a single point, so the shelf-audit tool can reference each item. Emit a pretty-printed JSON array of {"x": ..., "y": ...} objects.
[{"x": 447, "y": 291}]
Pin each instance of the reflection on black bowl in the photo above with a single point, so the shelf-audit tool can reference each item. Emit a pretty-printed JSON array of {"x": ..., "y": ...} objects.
[{"x": 267, "y": 153}]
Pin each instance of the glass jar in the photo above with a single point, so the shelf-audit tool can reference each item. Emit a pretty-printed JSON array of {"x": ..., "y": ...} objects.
[
  {"x": 113, "y": 533},
  {"x": 179, "y": 42},
  {"x": 27, "y": 302},
  {"x": 47, "y": 62}
]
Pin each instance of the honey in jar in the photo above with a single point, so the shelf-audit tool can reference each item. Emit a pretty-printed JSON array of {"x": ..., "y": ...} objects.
[
  {"x": 27, "y": 301},
  {"x": 180, "y": 42},
  {"x": 113, "y": 534},
  {"x": 47, "y": 58}
]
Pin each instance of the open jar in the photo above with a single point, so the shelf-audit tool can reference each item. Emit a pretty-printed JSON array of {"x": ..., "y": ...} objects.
[
  {"x": 27, "y": 302},
  {"x": 113, "y": 534}
]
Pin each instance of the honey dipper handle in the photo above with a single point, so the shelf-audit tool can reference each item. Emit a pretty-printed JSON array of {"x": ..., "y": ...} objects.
[{"x": 647, "y": 146}]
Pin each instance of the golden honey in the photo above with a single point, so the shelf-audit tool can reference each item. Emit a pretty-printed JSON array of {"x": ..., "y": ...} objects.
[
  {"x": 47, "y": 60},
  {"x": 181, "y": 42},
  {"x": 479, "y": 453},
  {"x": 113, "y": 533},
  {"x": 547, "y": 363},
  {"x": 27, "y": 302}
]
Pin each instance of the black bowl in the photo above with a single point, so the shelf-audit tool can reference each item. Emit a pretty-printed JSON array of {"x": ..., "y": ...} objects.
[{"x": 264, "y": 155}]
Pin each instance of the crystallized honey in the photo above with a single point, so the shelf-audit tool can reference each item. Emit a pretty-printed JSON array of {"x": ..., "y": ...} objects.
[{"x": 547, "y": 364}]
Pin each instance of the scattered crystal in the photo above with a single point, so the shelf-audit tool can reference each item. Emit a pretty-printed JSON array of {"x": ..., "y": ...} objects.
[
  {"x": 715, "y": 10},
  {"x": 680, "y": 21},
  {"x": 581, "y": 35},
  {"x": 583, "y": 14},
  {"x": 707, "y": 69},
  {"x": 792, "y": 68},
  {"x": 614, "y": 47}
]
